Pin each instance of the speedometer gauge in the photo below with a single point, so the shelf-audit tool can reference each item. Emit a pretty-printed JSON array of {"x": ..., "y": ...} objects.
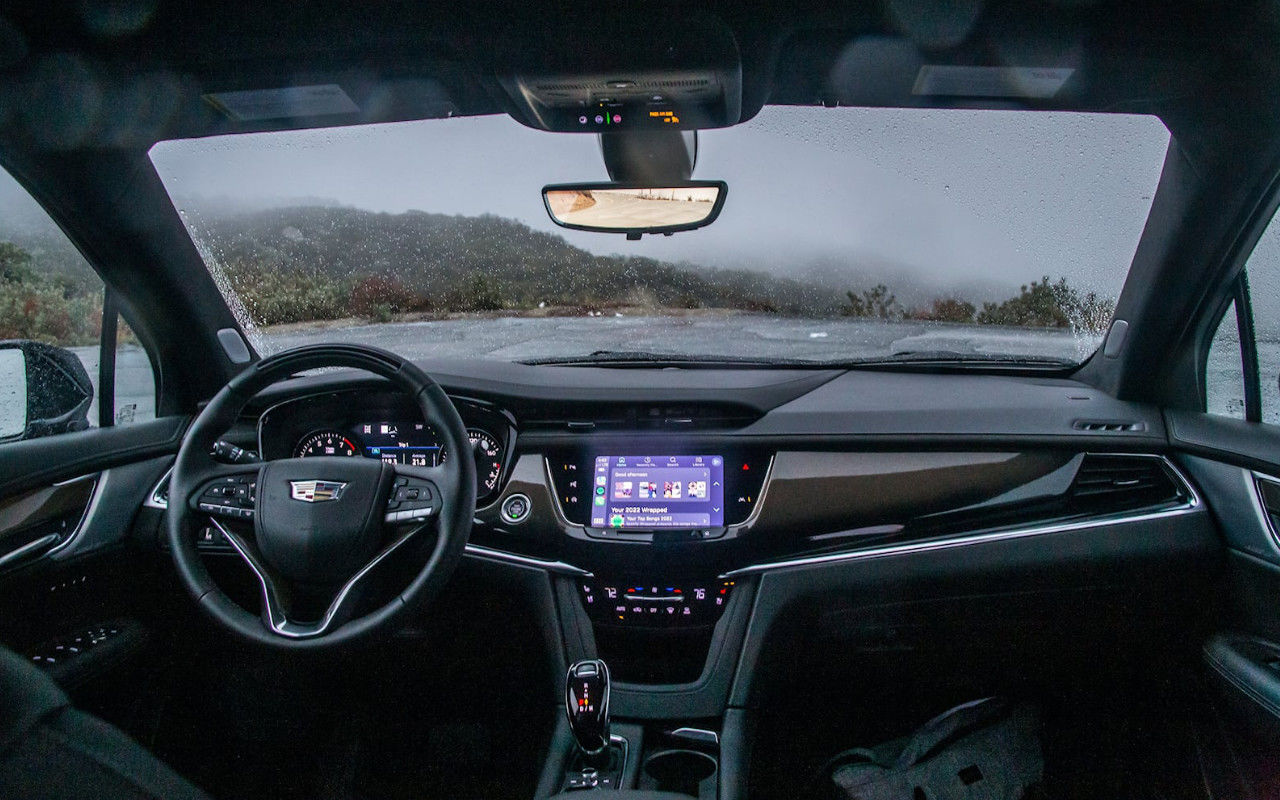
[
  {"x": 488, "y": 454},
  {"x": 326, "y": 443}
]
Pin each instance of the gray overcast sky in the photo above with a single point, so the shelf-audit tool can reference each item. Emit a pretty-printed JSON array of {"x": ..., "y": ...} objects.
[{"x": 944, "y": 198}]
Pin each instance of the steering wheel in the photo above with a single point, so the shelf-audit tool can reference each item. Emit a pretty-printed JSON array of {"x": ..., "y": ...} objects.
[{"x": 320, "y": 526}]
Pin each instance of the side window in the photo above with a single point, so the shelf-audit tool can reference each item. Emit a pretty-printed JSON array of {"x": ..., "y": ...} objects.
[
  {"x": 61, "y": 340},
  {"x": 1263, "y": 271},
  {"x": 1224, "y": 371}
]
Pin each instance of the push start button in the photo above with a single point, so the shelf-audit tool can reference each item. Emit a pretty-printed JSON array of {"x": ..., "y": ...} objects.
[{"x": 515, "y": 509}]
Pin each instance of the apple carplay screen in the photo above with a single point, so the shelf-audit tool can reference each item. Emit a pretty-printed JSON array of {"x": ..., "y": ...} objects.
[{"x": 657, "y": 492}]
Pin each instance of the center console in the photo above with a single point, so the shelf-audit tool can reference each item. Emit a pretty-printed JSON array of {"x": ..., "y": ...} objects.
[
  {"x": 652, "y": 530},
  {"x": 683, "y": 760},
  {"x": 654, "y": 525}
]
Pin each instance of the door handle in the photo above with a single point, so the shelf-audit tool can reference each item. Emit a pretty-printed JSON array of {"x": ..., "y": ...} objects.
[{"x": 28, "y": 551}]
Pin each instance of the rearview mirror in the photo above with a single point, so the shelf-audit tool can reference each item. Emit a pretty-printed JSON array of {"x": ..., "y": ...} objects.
[
  {"x": 635, "y": 210},
  {"x": 47, "y": 390}
]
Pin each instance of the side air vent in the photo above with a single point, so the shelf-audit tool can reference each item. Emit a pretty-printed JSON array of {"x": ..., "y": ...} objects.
[
  {"x": 1108, "y": 483},
  {"x": 1108, "y": 426}
]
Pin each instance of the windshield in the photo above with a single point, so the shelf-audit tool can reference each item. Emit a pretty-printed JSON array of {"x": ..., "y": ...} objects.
[{"x": 847, "y": 234}]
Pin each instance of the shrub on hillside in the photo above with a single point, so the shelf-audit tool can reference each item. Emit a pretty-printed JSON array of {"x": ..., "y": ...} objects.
[
  {"x": 1044, "y": 304},
  {"x": 55, "y": 310},
  {"x": 876, "y": 303},
  {"x": 477, "y": 293},
  {"x": 274, "y": 296},
  {"x": 946, "y": 309}
]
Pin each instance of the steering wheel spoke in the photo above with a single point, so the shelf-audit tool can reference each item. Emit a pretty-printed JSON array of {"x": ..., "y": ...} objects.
[{"x": 277, "y": 597}]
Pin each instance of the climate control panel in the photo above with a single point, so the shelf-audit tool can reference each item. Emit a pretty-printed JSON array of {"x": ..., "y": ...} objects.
[{"x": 655, "y": 605}]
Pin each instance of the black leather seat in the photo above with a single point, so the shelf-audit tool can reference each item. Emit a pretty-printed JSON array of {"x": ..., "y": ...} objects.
[{"x": 50, "y": 750}]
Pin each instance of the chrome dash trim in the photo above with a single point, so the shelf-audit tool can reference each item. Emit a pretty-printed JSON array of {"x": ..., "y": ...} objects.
[
  {"x": 154, "y": 500},
  {"x": 90, "y": 509},
  {"x": 1260, "y": 505},
  {"x": 1192, "y": 504},
  {"x": 558, "y": 567}
]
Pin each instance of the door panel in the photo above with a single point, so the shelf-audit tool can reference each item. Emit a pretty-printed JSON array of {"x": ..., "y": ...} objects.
[
  {"x": 74, "y": 588},
  {"x": 42, "y": 462},
  {"x": 1237, "y": 468},
  {"x": 35, "y": 522}
]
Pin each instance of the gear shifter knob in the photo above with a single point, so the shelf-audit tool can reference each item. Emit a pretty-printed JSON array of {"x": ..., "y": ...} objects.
[{"x": 586, "y": 699}]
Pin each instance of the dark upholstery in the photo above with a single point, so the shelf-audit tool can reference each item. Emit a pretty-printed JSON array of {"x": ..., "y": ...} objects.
[{"x": 50, "y": 750}]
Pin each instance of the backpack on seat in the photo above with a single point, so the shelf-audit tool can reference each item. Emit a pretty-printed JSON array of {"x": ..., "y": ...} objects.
[{"x": 984, "y": 750}]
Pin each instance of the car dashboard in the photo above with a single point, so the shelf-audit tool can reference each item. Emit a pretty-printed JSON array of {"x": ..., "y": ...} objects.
[{"x": 666, "y": 520}]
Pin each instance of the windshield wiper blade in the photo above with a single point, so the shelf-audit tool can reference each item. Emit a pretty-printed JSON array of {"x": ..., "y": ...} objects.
[
  {"x": 916, "y": 358},
  {"x": 640, "y": 358},
  {"x": 906, "y": 359}
]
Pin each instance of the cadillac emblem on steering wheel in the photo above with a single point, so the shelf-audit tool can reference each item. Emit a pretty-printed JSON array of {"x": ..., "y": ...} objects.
[{"x": 315, "y": 491}]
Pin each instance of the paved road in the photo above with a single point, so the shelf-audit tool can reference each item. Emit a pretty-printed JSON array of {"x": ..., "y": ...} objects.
[
  {"x": 627, "y": 211},
  {"x": 744, "y": 335}
]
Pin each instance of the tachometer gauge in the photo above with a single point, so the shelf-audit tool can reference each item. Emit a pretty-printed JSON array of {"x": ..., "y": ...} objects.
[
  {"x": 326, "y": 443},
  {"x": 488, "y": 454}
]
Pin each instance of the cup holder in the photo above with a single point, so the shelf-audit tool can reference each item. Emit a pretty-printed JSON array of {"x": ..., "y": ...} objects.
[{"x": 681, "y": 771}]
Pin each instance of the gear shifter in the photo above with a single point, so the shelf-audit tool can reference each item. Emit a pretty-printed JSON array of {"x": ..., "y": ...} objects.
[{"x": 586, "y": 699}]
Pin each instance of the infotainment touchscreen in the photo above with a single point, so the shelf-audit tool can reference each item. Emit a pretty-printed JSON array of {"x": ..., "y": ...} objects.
[{"x": 649, "y": 492}]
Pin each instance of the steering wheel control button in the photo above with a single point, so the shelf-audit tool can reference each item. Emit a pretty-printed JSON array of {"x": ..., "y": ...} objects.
[
  {"x": 412, "y": 501},
  {"x": 232, "y": 497},
  {"x": 515, "y": 509}
]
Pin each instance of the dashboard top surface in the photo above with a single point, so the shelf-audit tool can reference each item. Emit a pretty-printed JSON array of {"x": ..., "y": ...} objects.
[{"x": 785, "y": 403}]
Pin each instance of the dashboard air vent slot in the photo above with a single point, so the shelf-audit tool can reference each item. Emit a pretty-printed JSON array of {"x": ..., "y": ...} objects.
[
  {"x": 1108, "y": 425},
  {"x": 1108, "y": 483},
  {"x": 656, "y": 416}
]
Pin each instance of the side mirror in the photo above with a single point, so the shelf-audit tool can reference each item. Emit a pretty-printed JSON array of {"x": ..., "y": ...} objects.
[
  {"x": 55, "y": 390},
  {"x": 635, "y": 209}
]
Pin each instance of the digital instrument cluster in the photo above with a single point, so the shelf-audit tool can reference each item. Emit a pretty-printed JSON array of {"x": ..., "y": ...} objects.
[
  {"x": 398, "y": 442},
  {"x": 384, "y": 426}
]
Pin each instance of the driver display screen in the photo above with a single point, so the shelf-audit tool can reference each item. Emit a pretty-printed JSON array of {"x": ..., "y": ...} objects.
[{"x": 657, "y": 492}]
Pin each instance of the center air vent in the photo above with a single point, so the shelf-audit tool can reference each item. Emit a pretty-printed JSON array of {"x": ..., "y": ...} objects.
[
  {"x": 1108, "y": 483},
  {"x": 676, "y": 417}
]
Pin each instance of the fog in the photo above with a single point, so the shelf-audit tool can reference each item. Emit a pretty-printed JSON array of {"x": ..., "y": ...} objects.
[{"x": 969, "y": 201}]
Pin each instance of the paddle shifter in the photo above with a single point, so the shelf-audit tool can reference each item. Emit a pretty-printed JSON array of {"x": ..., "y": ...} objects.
[{"x": 586, "y": 699}]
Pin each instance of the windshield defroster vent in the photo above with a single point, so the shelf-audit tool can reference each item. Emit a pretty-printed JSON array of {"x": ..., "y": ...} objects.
[
  {"x": 683, "y": 416},
  {"x": 1109, "y": 483},
  {"x": 1108, "y": 426}
]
